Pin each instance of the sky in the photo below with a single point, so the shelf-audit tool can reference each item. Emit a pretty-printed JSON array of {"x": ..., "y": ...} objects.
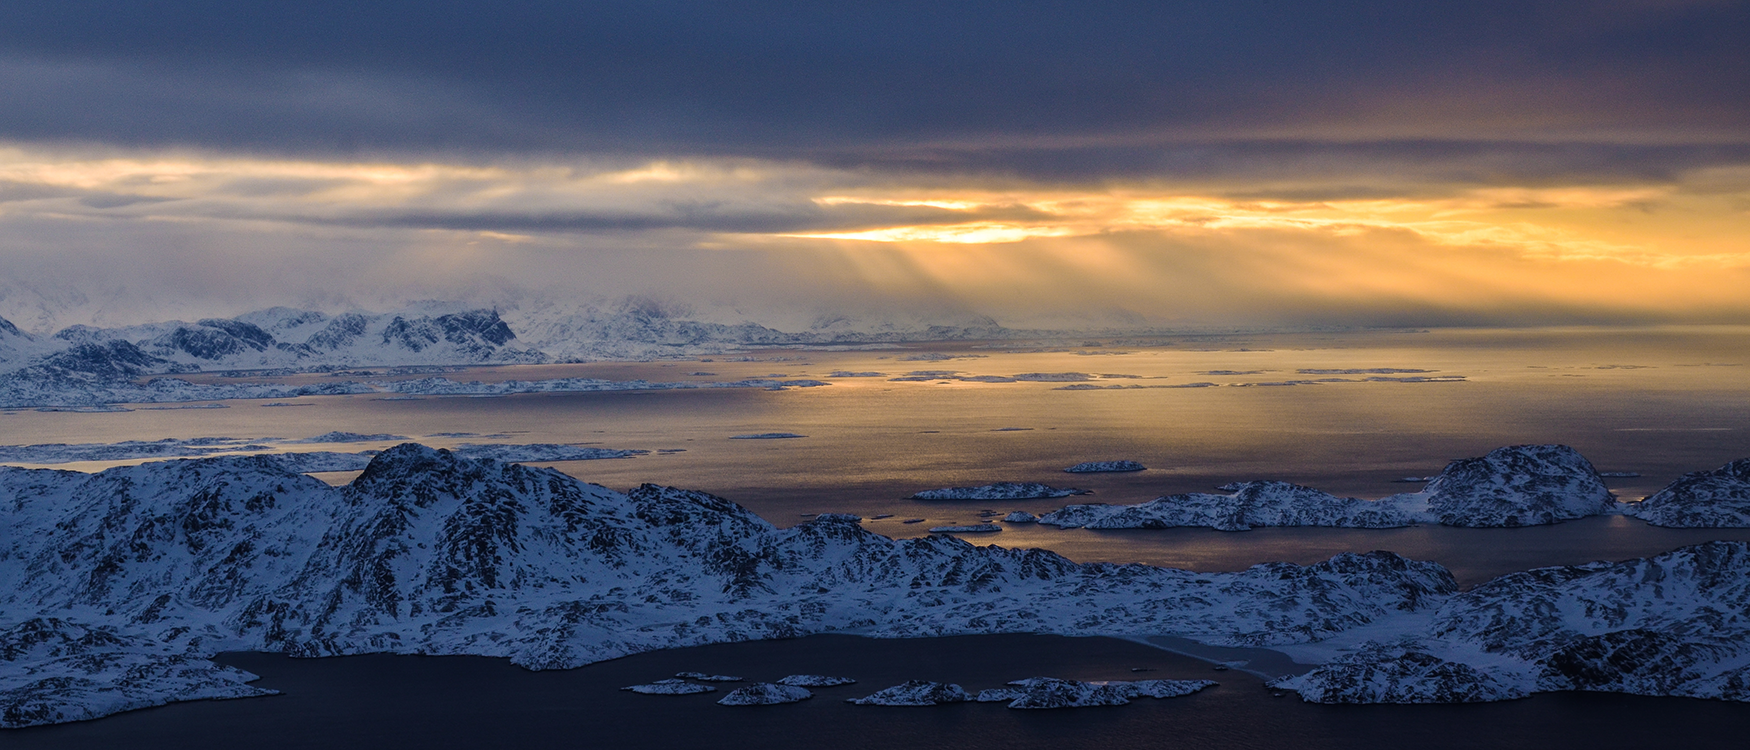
[{"x": 1085, "y": 164}]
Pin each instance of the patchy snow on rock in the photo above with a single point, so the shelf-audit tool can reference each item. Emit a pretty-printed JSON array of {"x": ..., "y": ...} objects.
[
  {"x": 915, "y": 693},
  {"x": 998, "y": 491},
  {"x": 671, "y": 687},
  {"x": 1703, "y": 499},
  {"x": 980, "y": 528},
  {"x": 1020, "y": 516},
  {"x": 764, "y": 694},
  {"x": 815, "y": 681},
  {"x": 1092, "y": 467}
]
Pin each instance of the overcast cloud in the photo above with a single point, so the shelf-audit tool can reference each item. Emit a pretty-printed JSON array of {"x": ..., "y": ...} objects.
[{"x": 1415, "y": 163}]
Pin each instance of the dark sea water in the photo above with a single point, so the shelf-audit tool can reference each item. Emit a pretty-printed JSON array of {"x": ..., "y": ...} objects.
[{"x": 470, "y": 702}]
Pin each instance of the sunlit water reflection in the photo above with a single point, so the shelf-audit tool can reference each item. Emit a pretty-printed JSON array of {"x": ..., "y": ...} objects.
[{"x": 1658, "y": 402}]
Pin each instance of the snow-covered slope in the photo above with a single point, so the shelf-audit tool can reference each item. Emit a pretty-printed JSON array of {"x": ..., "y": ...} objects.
[
  {"x": 1673, "y": 624},
  {"x": 18, "y": 346},
  {"x": 427, "y": 552},
  {"x": 1702, "y": 499}
]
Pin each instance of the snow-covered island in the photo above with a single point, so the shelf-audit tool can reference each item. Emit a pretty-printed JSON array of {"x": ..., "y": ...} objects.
[
  {"x": 999, "y": 491},
  {"x": 1053, "y": 692},
  {"x": 1519, "y": 485},
  {"x": 765, "y": 694},
  {"x": 1703, "y": 499},
  {"x": 162, "y": 565},
  {"x": 1094, "y": 467}
]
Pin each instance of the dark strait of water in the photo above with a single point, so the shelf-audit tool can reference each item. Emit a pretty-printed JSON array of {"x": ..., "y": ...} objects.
[{"x": 438, "y": 703}]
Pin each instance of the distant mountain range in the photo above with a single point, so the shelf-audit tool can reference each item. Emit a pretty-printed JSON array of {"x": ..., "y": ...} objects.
[{"x": 429, "y": 334}]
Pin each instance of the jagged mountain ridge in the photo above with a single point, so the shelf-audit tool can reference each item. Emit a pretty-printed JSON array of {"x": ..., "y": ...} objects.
[{"x": 429, "y": 553}]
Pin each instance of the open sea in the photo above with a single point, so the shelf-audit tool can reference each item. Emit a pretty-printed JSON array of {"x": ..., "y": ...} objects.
[{"x": 1657, "y": 402}]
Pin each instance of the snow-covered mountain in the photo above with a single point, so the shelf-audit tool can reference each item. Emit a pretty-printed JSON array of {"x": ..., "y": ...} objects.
[
  {"x": 159, "y": 565},
  {"x": 427, "y": 552},
  {"x": 1702, "y": 499},
  {"x": 1673, "y": 624},
  {"x": 1517, "y": 485}
]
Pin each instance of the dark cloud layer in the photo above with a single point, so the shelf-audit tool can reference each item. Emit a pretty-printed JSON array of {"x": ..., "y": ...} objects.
[{"x": 1048, "y": 88}]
